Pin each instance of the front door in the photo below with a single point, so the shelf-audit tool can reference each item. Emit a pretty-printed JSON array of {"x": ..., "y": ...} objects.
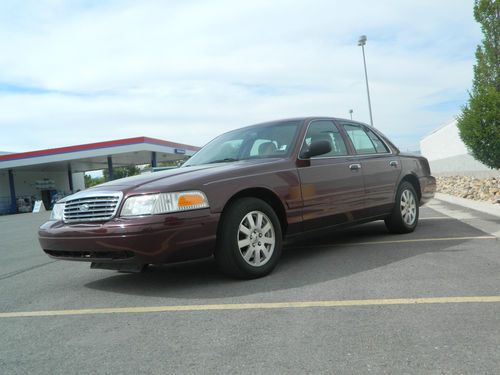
[{"x": 331, "y": 184}]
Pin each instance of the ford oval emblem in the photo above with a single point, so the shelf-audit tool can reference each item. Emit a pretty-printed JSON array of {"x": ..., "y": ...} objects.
[{"x": 84, "y": 207}]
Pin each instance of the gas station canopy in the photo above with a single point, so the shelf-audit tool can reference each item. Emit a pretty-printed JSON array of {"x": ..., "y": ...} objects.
[
  {"x": 95, "y": 156},
  {"x": 39, "y": 173}
]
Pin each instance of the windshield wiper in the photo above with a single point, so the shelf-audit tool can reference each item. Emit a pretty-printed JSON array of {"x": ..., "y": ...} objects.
[{"x": 226, "y": 160}]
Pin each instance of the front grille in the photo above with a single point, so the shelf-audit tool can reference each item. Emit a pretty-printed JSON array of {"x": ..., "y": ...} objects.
[{"x": 91, "y": 208}]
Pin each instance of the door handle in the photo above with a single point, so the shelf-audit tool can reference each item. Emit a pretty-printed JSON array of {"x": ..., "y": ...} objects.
[
  {"x": 393, "y": 163},
  {"x": 354, "y": 167}
]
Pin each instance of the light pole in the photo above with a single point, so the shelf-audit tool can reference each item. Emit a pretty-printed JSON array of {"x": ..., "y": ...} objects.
[
  {"x": 350, "y": 113},
  {"x": 362, "y": 42}
]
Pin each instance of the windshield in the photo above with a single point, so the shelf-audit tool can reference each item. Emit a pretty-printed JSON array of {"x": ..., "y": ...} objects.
[{"x": 267, "y": 141}]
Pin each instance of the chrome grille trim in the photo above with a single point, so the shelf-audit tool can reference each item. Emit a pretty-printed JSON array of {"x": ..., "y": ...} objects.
[{"x": 99, "y": 206}]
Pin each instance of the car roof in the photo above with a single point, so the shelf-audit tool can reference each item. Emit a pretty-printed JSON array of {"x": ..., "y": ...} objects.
[{"x": 302, "y": 119}]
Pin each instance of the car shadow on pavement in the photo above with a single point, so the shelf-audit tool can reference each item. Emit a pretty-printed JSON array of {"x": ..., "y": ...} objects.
[{"x": 306, "y": 262}]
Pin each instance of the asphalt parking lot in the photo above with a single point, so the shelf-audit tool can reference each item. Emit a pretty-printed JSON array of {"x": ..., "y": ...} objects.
[{"x": 356, "y": 301}]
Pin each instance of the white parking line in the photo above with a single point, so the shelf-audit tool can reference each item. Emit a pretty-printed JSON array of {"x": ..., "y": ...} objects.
[
  {"x": 396, "y": 241},
  {"x": 436, "y": 218}
]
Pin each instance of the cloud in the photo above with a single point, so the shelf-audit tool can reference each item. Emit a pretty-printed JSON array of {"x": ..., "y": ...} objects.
[{"x": 76, "y": 72}]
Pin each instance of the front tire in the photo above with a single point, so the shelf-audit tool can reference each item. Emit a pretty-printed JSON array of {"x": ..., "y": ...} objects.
[
  {"x": 249, "y": 239},
  {"x": 404, "y": 216}
]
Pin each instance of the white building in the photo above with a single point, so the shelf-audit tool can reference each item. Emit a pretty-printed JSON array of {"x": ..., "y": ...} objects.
[{"x": 448, "y": 155}]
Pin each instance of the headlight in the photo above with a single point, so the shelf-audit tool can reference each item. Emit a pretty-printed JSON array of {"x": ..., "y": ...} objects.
[
  {"x": 57, "y": 212},
  {"x": 154, "y": 204}
]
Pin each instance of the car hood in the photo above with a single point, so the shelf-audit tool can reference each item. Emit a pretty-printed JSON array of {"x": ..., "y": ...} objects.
[
  {"x": 189, "y": 176},
  {"x": 137, "y": 181}
]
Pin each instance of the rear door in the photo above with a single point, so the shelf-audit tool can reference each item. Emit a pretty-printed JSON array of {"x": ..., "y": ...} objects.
[
  {"x": 332, "y": 190},
  {"x": 381, "y": 168}
]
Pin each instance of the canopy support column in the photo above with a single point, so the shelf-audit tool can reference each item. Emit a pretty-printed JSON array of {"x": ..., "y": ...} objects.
[
  {"x": 13, "y": 201},
  {"x": 70, "y": 178},
  {"x": 110, "y": 168},
  {"x": 153, "y": 159}
]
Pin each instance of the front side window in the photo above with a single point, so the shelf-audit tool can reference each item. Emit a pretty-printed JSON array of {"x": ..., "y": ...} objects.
[
  {"x": 267, "y": 141},
  {"x": 325, "y": 130}
]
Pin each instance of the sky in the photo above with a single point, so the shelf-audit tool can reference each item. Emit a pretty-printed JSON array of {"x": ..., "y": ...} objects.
[{"x": 74, "y": 72}]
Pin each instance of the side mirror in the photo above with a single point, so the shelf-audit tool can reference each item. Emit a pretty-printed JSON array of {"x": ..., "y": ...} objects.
[{"x": 316, "y": 148}]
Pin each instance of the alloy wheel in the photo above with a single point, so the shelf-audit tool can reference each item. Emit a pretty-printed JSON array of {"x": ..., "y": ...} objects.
[
  {"x": 408, "y": 207},
  {"x": 256, "y": 238}
]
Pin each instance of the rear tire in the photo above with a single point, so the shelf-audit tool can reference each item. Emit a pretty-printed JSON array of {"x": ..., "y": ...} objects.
[
  {"x": 249, "y": 239},
  {"x": 404, "y": 216}
]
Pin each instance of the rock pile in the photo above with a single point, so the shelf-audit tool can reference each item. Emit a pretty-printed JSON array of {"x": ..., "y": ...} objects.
[{"x": 484, "y": 189}]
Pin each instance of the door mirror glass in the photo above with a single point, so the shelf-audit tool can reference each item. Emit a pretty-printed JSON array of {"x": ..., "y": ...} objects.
[{"x": 316, "y": 148}]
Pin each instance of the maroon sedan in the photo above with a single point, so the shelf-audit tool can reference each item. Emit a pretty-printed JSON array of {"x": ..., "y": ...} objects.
[{"x": 241, "y": 195}]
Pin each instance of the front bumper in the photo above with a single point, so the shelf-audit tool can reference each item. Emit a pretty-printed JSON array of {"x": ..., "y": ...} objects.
[
  {"x": 427, "y": 188},
  {"x": 149, "y": 239}
]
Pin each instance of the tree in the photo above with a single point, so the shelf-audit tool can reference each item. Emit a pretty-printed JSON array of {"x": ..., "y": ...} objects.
[
  {"x": 118, "y": 172},
  {"x": 92, "y": 181},
  {"x": 173, "y": 163},
  {"x": 479, "y": 122},
  {"x": 121, "y": 172}
]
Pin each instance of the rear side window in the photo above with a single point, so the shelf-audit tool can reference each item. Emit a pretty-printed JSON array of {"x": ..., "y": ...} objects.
[
  {"x": 325, "y": 130},
  {"x": 377, "y": 142},
  {"x": 360, "y": 140},
  {"x": 364, "y": 140}
]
